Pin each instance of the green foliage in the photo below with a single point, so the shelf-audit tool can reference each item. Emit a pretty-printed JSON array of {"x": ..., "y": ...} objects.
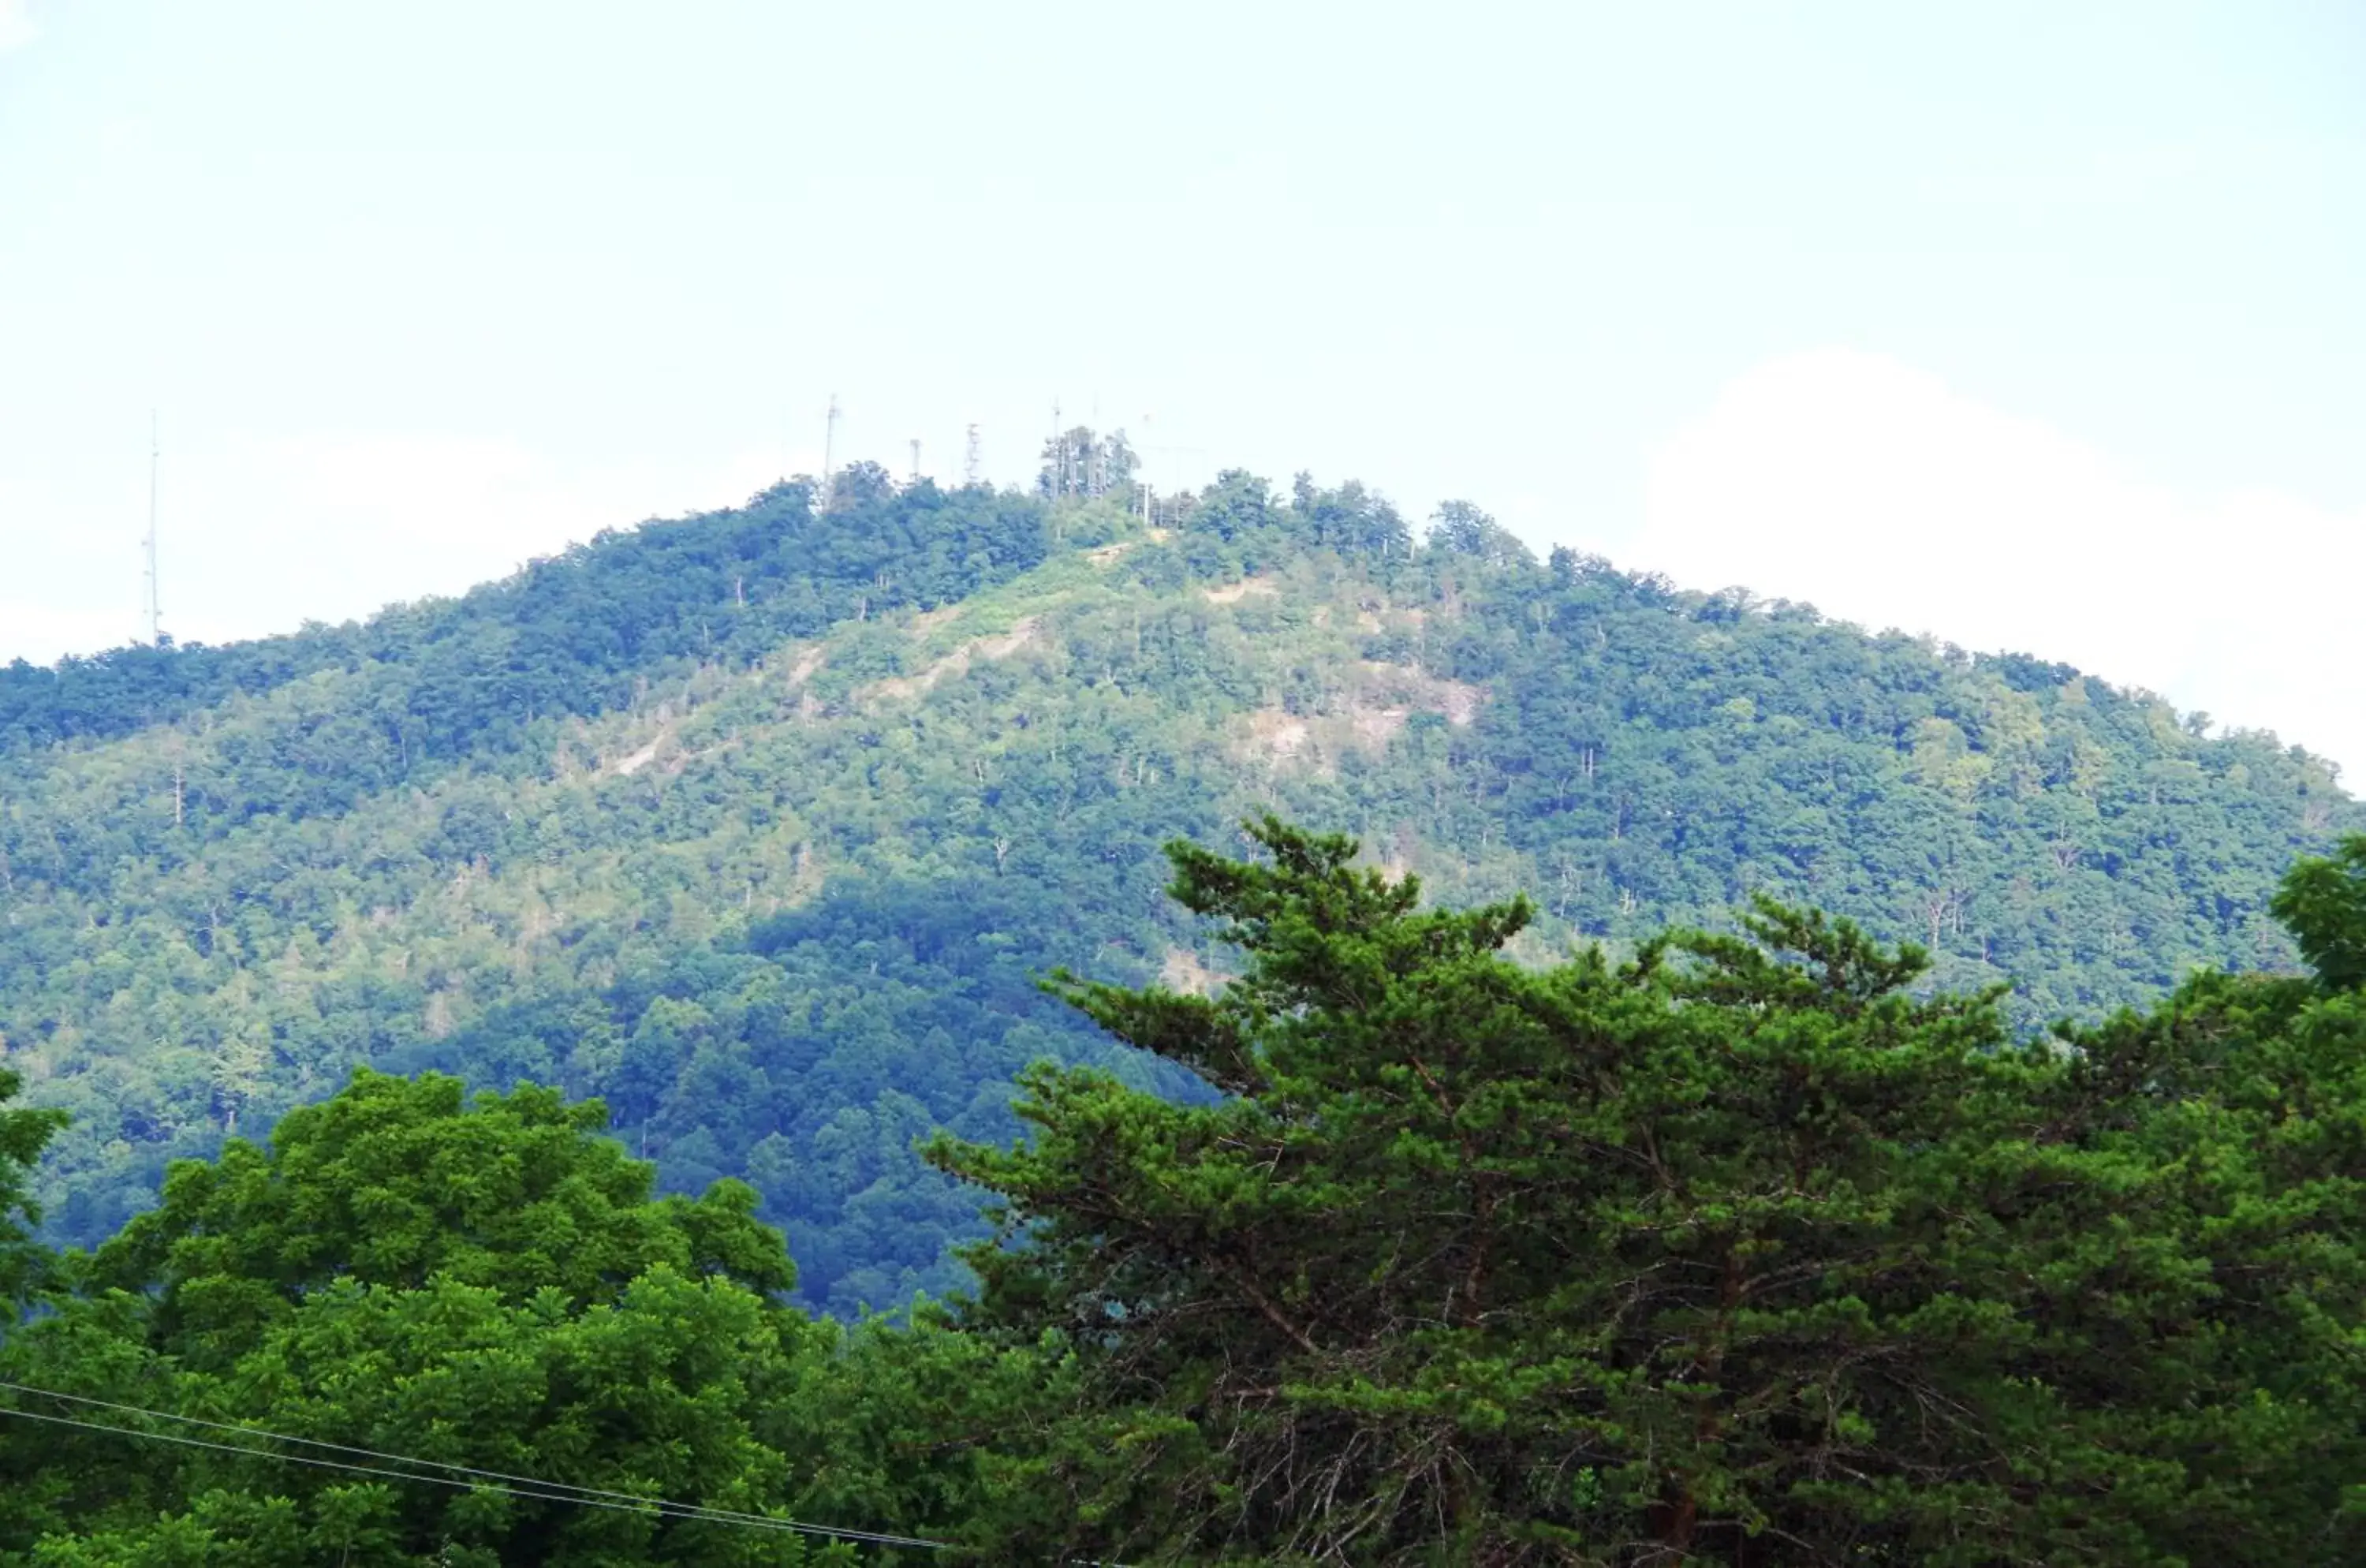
[
  {"x": 2324, "y": 902},
  {"x": 396, "y": 1182},
  {"x": 577, "y": 633},
  {"x": 1736, "y": 1253},
  {"x": 489, "y": 1285},
  {"x": 650, "y": 1394},
  {"x": 24, "y": 1134},
  {"x": 1083, "y": 462},
  {"x": 1743, "y": 1249},
  {"x": 756, "y": 825}
]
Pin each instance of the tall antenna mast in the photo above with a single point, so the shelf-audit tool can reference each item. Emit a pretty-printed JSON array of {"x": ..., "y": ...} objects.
[
  {"x": 916, "y": 460},
  {"x": 155, "y": 609},
  {"x": 828, "y": 448},
  {"x": 970, "y": 462}
]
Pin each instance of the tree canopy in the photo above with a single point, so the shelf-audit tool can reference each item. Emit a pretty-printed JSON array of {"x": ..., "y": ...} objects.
[
  {"x": 407, "y": 1276},
  {"x": 755, "y": 825},
  {"x": 1735, "y": 1252},
  {"x": 1744, "y": 1248}
]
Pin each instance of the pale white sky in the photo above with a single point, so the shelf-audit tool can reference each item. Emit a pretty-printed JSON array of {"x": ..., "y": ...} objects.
[{"x": 2025, "y": 324}]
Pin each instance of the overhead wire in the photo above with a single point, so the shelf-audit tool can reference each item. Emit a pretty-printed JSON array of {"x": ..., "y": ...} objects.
[
  {"x": 533, "y": 1488},
  {"x": 246, "y": 1430}
]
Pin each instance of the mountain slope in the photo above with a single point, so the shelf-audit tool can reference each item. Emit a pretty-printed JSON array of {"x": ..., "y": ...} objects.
[{"x": 758, "y": 823}]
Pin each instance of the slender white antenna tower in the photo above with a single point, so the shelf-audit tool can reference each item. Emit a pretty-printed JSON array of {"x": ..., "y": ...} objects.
[
  {"x": 155, "y": 609},
  {"x": 916, "y": 460},
  {"x": 970, "y": 464},
  {"x": 1089, "y": 480},
  {"x": 828, "y": 448}
]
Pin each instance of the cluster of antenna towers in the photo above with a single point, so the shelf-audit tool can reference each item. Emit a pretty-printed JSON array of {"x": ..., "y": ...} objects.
[
  {"x": 1080, "y": 462},
  {"x": 973, "y": 457},
  {"x": 970, "y": 460},
  {"x": 1077, "y": 462}
]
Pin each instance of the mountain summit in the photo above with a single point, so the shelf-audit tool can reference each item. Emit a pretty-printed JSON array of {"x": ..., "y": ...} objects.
[{"x": 760, "y": 823}]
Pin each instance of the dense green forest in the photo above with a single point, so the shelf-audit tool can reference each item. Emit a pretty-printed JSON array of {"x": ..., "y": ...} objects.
[
  {"x": 1743, "y": 1248},
  {"x": 760, "y": 825}
]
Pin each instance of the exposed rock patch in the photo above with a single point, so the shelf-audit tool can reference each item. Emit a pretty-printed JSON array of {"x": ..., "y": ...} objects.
[
  {"x": 1365, "y": 718},
  {"x": 1181, "y": 970},
  {"x": 1233, "y": 592},
  {"x": 808, "y": 664},
  {"x": 958, "y": 661},
  {"x": 628, "y": 766}
]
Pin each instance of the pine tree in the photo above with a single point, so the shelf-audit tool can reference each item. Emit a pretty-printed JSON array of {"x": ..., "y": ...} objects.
[{"x": 1738, "y": 1252}]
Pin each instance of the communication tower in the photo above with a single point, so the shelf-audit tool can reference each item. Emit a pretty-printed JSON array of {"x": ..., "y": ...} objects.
[
  {"x": 828, "y": 448},
  {"x": 154, "y": 606}
]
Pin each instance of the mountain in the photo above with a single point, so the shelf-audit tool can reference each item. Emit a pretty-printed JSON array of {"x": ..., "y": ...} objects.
[{"x": 759, "y": 824}]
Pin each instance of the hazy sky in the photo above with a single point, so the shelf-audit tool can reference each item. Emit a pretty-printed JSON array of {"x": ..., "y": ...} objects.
[{"x": 2028, "y": 325}]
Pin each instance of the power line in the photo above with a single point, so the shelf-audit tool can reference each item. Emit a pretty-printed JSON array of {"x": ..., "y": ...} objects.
[
  {"x": 531, "y": 1487},
  {"x": 320, "y": 1443},
  {"x": 651, "y": 1506}
]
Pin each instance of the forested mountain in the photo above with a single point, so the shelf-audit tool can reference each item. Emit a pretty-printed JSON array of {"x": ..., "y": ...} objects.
[
  {"x": 760, "y": 823},
  {"x": 1742, "y": 1252}
]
